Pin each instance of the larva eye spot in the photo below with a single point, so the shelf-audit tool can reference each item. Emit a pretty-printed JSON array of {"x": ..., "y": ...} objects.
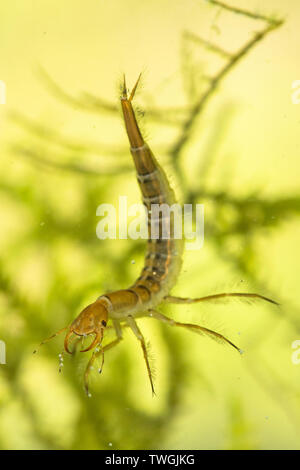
[{"x": 103, "y": 323}]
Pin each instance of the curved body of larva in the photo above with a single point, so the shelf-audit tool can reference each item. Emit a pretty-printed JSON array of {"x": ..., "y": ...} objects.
[
  {"x": 160, "y": 271},
  {"x": 164, "y": 255}
]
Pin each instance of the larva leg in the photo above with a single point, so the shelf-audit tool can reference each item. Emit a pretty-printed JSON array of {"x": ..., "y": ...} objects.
[
  {"x": 98, "y": 352},
  {"x": 49, "y": 339},
  {"x": 195, "y": 328},
  {"x": 141, "y": 339},
  {"x": 183, "y": 300}
]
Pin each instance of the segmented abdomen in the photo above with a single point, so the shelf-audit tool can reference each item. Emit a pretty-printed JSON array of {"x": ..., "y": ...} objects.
[{"x": 163, "y": 257}]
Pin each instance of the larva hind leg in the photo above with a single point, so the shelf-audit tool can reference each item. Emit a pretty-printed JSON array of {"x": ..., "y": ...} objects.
[
  {"x": 141, "y": 339},
  {"x": 194, "y": 328},
  {"x": 99, "y": 350},
  {"x": 186, "y": 300}
]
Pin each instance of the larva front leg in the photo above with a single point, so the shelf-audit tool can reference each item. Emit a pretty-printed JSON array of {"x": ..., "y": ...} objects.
[
  {"x": 97, "y": 352},
  {"x": 50, "y": 338}
]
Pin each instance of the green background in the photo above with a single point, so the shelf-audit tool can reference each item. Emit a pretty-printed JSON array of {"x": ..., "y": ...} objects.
[{"x": 241, "y": 160}]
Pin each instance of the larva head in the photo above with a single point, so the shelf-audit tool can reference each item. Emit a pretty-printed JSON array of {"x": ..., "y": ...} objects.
[{"x": 92, "y": 320}]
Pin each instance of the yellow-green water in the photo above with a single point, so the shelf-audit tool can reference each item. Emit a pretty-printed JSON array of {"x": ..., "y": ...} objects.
[{"x": 242, "y": 159}]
